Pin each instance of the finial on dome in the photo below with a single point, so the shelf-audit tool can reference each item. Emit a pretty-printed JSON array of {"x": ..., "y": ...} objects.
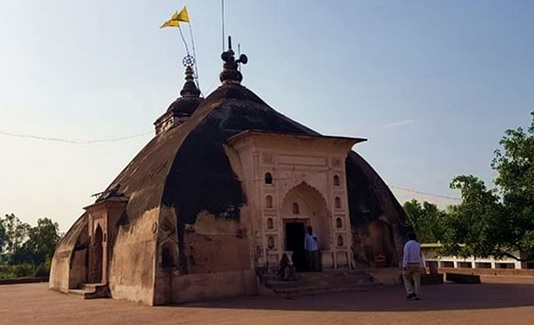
[
  {"x": 230, "y": 73},
  {"x": 190, "y": 88}
]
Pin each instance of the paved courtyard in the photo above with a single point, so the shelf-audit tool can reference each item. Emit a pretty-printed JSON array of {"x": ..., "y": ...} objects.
[{"x": 496, "y": 301}]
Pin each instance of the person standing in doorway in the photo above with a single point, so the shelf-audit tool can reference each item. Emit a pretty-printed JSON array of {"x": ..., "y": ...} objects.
[
  {"x": 412, "y": 264},
  {"x": 311, "y": 246}
]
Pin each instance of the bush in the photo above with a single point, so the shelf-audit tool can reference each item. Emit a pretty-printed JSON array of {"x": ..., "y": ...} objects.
[
  {"x": 42, "y": 270},
  {"x": 23, "y": 270}
]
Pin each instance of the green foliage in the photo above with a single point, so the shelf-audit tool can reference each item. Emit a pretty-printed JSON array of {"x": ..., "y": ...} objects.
[
  {"x": 426, "y": 219},
  {"x": 15, "y": 232},
  {"x": 498, "y": 221},
  {"x": 24, "y": 270},
  {"x": 27, "y": 250},
  {"x": 476, "y": 222},
  {"x": 42, "y": 240},
  {"x": 2, "y": 237}
]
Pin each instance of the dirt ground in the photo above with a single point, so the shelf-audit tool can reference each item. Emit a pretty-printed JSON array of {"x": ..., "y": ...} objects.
[{"x": 497, "y": 301}]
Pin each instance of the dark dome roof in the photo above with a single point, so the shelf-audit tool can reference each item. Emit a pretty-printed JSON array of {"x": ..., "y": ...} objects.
[
  {"x": 184, "y": 105},
  {"x": 189, "y": 98},
  {"x": 187, "y": 167}
]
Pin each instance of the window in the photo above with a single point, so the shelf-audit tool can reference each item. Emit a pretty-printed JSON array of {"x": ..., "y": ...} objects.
[
  {"x": 505, "y": 265},
  {"x": 339, "y": 223},
  {"x": 464, "y": 265},
  {"x": 296, "y": 208},
  {"x": 337, "y": 203},
  {"x": 483, "y": 265},
  {"x": 447, "y": 264},
  {"x": 268, "y": 178},
  {"x": 270, "y": 242},
  {"x": 269, "y": 202},
  {"x": 270, "y": 223},
  {"x": 336, "y": 181},
  {"x": 340, "y": 241}
]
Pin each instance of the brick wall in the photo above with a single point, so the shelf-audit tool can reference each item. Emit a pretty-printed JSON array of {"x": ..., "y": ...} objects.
[{"x": 482, "y": 271}]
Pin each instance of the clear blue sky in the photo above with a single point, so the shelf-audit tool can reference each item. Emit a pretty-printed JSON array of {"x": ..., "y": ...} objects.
[{"x": 433, "y": 85}]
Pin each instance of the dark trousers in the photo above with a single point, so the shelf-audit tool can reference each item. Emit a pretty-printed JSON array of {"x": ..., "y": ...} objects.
[{"x": 312, "y": 259}]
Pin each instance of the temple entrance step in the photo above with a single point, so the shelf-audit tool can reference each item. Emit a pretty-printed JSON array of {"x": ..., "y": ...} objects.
[
  {"x": 314, "y": 283},
  {"x": 91, "y": 291}
]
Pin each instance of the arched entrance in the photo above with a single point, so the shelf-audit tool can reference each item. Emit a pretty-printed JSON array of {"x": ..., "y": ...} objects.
[
  {"x": 97, "y": 256},
  {"x": 383, "y": 247},
  {"x": 304, "y": 206}
]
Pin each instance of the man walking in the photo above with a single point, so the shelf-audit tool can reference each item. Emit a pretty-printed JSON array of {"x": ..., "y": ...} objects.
[
  {"x": 412, "y": 263},
  {"x": 311, "y": 246}
]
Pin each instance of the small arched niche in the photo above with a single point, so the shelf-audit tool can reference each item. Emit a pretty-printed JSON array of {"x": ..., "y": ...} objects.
[
  {"x": 340, "y": 241},
  {"x": 268, "y": 178},
  {"x": 270, "y": 223},
  {"x": 339, "y": 223},
  {"x": 296, "y": 208},
  {"x": 270, "y": 242},
  {"x": 337, "y": 182},
  {"x": 167, "y": 256},
  {"x": 269, "y": 202},
  {"x": 337, "y": 202}
]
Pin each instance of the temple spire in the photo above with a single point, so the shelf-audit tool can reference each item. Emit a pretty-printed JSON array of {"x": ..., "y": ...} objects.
[
  {"x": 230, "y": 73},
  {"x": 190, "y": 88}
]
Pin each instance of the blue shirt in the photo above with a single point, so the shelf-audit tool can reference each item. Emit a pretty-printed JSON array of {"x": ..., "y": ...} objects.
[
  {"x": 310, "y": 243},
  {"x": 412, "y": 254}
]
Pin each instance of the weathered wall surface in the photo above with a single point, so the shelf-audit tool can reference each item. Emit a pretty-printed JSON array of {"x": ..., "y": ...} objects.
[
  {"x": 60, "y": 269},
  {"x": 78, "y": 268},
  {"x": 387, "y": 276},
  {"x": 131, "y": 269},
  {"x": 216, "y": 245},
  {"x": 213, "y": 285},
  {"x": 217, "y": 252}
]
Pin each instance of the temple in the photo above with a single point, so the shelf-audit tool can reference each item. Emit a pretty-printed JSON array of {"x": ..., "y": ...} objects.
[{"x": 226, "y": 186}]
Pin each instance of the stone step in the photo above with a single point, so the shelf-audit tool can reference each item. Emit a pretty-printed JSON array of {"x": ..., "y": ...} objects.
[
  {"x": 81, "y": 293},
  {"x": 462, "y": 278},
  {"x": 321, "y": 289},
  {"x": 90, "y": 286},
  {"x": 90, "y": 291},
  {"x": 320, "y": 282}
]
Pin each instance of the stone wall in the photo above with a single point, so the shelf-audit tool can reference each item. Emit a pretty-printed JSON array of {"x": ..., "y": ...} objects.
[
  {"x": 497, "y": 272},
  {"x": 132, "y": 263},
  {"x": 60, "y": 270},
  {"x": 195, "y": 287}
]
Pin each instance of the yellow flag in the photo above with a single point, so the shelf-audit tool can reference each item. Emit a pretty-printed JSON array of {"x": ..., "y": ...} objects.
[
  {"x": 183, "y": 15},
  {"x": 173, "y": 22}
]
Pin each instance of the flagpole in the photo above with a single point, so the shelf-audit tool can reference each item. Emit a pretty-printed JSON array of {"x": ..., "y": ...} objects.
[
  {"x": 194, "y": 55},
  {"x": 183, "y": 40},
  {"x": 222, "y": 20}
]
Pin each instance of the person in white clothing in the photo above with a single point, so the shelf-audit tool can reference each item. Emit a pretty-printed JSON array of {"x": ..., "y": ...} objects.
[
  {"x": 412, "y": 264},
  {"x": 311, "y": 246}
]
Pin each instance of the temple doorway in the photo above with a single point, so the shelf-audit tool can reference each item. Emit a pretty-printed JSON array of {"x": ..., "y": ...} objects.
[
  {"x": 294, "y": 234},
  {"x": 97, "y": 256}
]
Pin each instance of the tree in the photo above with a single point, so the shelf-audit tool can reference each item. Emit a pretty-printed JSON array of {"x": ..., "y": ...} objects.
[
  {"x": 2, "y": 236},
  {"x": 41, "y": 243},
  {"x": 515, "y": 167},
  {"x": 426, "y": 219},
  {"x": 499, "y": 221},
  {"x": 475, "y": 226},
  {"x": 15, "y": 232}
]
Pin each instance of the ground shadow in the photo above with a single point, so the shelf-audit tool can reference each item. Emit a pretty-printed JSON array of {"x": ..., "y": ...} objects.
[{"x": 391, "y": 298}]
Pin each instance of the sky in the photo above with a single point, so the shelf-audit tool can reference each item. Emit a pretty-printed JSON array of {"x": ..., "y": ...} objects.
[{"x": 432, "y": 85}]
